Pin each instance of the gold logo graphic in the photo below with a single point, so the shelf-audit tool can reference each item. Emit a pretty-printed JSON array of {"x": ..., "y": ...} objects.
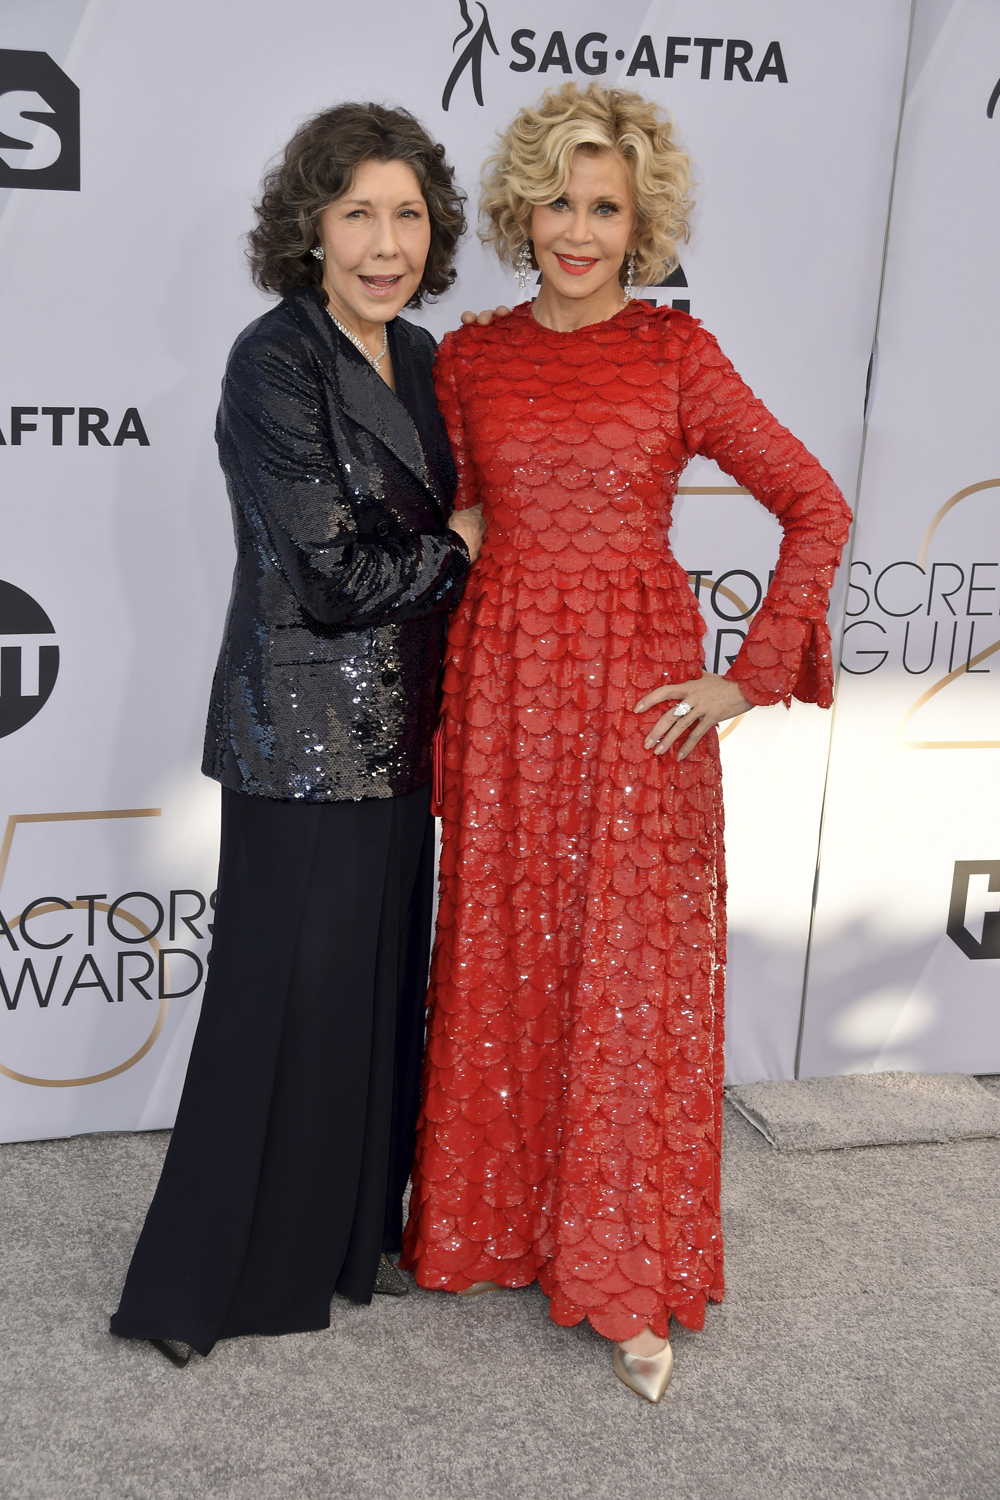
[
  {"x": 950, "y": 677},
  {"x": 13, "y": 823}
]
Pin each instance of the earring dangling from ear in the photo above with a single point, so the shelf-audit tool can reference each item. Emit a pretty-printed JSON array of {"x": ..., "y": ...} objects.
[
  {"x": 319, "y": 252},
  {"x": 522, "y": 266},
  {"x": 629, "y": 277}
]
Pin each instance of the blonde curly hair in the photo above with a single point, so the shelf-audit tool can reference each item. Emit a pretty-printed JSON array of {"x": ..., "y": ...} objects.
[{"x": 533, "y": 162}]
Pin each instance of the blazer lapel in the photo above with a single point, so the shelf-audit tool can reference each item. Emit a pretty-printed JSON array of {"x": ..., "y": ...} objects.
[{"x": 364, "y": 396}]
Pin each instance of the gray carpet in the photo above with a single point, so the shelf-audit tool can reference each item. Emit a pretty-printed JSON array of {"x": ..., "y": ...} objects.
[
  {"x": 869, "y": 1109},
  {"x": 855, "y": 1356}
]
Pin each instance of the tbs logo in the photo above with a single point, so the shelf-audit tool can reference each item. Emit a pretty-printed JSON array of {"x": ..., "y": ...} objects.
[
  {"x": 39, "y": 123},
  {"x": 29, "y": 659},
  {"x": 974, "y": 910}
]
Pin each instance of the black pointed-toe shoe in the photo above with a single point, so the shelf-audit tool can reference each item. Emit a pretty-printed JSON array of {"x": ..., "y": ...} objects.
[
  {"x": 177, "y": 1352},
  {"x": 388, "y": 1281}
]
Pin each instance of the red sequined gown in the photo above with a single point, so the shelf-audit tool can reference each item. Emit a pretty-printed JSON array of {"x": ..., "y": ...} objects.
[{"x": 570, "y": 1126}]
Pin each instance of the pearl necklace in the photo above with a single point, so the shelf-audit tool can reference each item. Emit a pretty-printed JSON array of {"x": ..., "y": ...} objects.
[{"x": 373, "y": 359}]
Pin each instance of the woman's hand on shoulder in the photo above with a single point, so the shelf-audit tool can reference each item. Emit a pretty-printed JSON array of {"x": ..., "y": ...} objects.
[
  {"x": 710, "y": 699},
  {"x": 471, "y": 528},
  {"x": 485, "y": 318}
]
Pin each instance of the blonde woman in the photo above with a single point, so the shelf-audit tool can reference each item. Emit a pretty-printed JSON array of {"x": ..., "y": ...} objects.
[{"x": 570, "y": 1126}]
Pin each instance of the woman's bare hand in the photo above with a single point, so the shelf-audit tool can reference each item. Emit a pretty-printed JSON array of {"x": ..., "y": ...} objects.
[
  {"x": 712, "y": 699},
  {"x": 471, "y": 528},
  {"x": 485, "y": 318}
]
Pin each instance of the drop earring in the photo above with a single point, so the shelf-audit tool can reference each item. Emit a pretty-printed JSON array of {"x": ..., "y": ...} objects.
[
  {"x": 629, "y": 277},
  {"x": 319, "y": 252},
  {"x": 522, "y": 265}
]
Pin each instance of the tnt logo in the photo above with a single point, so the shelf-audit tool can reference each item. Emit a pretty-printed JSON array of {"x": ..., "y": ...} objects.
[
  {"x": 974, "y": 913},
  {"x": 28, "y": 665},
  {"x": 39, "y": 123}
]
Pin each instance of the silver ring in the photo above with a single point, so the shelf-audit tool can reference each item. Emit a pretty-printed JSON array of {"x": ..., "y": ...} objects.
[{"x": 681, "y": 710}]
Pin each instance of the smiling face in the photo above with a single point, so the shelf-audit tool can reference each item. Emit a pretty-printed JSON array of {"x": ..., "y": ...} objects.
[
  {"x": 375, "y": 240},
  {"x": 581, "y": 239}
]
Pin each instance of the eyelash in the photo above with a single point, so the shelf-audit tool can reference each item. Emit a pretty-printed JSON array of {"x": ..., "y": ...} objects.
[
  {"x": 612, "y": 208},
  {"x": 408, "y": 213}
]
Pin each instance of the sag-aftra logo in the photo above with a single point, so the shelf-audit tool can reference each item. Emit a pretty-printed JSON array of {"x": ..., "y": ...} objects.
[{"x": 569, "y": 52}]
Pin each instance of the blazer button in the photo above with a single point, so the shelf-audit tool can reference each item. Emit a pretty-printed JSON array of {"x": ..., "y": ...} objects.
[
  {"x": 382, "y": 529},
  {"x": 389, "y": 677}
]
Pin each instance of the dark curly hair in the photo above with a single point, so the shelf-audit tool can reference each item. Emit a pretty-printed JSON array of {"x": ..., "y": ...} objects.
[{"x": 318, "y": 166}]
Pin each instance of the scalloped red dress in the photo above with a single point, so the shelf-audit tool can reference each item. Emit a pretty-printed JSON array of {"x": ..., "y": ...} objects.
[{"x": 570, "y": 1126}]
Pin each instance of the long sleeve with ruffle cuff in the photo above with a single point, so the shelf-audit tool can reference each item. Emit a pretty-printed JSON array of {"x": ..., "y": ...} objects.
[
  {"x": 786, "y": 653},
  {"x": 784, "y": 658}
]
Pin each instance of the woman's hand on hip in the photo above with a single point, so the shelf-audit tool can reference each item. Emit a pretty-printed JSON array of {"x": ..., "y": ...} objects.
[
  {"x": 471, "y": 528},
  {"x": 710, "y": 699}
]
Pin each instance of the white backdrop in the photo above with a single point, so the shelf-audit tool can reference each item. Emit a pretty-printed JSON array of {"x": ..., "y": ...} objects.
[
  {"x": 905, "y": 960},
  {"x": 125, "y": 295}
]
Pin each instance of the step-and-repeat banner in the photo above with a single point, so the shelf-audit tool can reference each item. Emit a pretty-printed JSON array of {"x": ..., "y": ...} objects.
[
  {"x": 904, "y": 967},
  {"x": 132, "y": 141}
]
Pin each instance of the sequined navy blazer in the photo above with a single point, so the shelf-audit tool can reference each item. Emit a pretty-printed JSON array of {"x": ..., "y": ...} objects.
[{"x": 327, "y": 685}]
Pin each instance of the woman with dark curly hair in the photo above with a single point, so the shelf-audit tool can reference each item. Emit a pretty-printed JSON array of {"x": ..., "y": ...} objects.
[{"x": 285, "y": 1174}]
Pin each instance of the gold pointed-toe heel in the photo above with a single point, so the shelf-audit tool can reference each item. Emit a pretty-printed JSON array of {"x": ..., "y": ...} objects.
[
  {"x": 478, "y": 1288},
  {"x": 646, "y": 1374}
]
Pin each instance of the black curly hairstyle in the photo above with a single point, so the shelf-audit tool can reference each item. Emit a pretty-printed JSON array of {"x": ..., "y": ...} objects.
[{"x": 318, "y": 166}]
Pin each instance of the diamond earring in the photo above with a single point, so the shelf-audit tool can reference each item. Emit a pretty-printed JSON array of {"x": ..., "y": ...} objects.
[
  {"x": 319, "y": 252},
  {"x": 522, "y": 266},
  {"x": 629, "y": 276}
]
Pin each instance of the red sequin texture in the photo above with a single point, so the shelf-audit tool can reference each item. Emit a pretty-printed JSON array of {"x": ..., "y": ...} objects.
[{"x": 570, "y": 1126}]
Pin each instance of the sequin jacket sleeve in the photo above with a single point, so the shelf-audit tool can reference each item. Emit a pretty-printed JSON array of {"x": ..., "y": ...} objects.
[
  {"x": 787, "y": 650},
  {"x": 274, "y": 429}
]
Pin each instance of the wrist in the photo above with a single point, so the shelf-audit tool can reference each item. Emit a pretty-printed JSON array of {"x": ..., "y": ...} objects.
[{"x": 753, "y": 697}]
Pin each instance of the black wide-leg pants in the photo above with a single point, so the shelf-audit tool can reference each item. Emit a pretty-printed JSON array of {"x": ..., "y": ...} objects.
[{"x": 284, "y": 1177}]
